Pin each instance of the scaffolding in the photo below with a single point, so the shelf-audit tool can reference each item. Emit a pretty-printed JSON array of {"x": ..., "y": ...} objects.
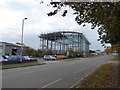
[{"x": 64, "y": 40}]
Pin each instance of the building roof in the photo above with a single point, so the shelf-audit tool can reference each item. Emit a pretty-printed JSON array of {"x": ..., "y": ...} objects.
[
  {"x": 11, "y": 44},
  {"x": 55, "y": 36}
]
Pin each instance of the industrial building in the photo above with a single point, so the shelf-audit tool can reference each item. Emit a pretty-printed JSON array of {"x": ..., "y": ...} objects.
[
  {"x": 64, "y": 40},
  {"x": 9, "y": 49}
]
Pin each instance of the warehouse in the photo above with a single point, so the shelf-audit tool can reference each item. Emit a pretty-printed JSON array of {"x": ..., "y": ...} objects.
[
  {"x": 9, "y": 49},
  {"x": 64, "y": 40}
]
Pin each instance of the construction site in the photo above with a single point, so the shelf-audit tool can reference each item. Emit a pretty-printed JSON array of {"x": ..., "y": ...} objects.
[{"x": 63, "y": 41}]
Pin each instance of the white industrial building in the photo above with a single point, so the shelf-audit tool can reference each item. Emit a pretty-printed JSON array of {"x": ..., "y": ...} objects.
[{"x": 9, "y": 49}]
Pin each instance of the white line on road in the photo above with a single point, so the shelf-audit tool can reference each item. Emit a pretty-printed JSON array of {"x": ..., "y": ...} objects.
[
  {"x": 79, "y": 81},
  {"x": 51, "y": 83},
  {"x": 84, "y": 68},
  {"x": 26, "y": 71},
  {"x": 79, "y": 70}
]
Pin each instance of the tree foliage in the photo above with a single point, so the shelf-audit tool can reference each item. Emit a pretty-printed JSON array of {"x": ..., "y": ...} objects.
[
  {"x": 116, "y": 47},
  {"x": 108, "y": 50},
  {"x": 104, "y": 15},
  {"x": 29, "y": 51}
]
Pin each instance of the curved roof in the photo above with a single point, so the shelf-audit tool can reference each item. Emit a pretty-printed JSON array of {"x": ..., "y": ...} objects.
[{"x": 55, "y": 36}]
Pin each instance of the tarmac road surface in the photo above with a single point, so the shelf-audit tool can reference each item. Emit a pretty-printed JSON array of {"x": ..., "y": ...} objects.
[{"x": 63, "y": 74}]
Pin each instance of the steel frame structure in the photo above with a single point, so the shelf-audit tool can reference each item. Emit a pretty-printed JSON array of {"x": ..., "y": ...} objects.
[{"x": 63, "y": 40}]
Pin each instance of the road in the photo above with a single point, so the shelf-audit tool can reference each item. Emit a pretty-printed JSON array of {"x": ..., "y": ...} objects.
[{"x": 62, "y": 74}]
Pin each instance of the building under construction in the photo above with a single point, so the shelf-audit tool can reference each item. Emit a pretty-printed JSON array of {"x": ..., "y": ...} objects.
[{"x": 64, "y": 40}]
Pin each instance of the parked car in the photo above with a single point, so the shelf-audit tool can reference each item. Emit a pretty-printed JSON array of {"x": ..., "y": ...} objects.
[
  {"x": 2, "y": 59},
  {"x": 16, "y": 58},
  {"x": 49, "y": 57},
  {"x": 115, "y": 54},
  {"x": 41, "y": 55},
  {"x": 13, "y": 58},
  {"x": 28, "y": 58},
  {"x": 5, "y": 56}
]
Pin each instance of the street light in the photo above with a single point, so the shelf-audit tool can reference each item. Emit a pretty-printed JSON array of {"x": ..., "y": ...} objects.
[{"x": 22, "y": 35}]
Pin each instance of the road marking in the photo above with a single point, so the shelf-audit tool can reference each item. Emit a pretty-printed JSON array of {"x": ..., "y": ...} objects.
[
  {"x": 51, "y": 83},
  {"x": 79, "y": 81},
  {"x": 21, "y": 72},
  {"x": 84, "y": 68},
  {"x": 78, "y": 71}
]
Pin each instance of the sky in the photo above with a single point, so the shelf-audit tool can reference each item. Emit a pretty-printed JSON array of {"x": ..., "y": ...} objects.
[{"x": 12, "y": 12}]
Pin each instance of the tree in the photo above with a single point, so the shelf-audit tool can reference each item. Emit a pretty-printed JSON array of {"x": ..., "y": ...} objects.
[
  {"x": 29, "y": 51},
  {"x": 70, "y": 52},
  {"x": 91, "y": 51},
  {"x": 108, "y": 50},
  {"x": 116, "y": 47},
  {"x": 104, "y": 15}
]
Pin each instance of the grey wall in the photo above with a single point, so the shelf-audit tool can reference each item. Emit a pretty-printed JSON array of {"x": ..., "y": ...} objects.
[
  {"x": 8, "y": 49},
  {"x": 2, "y": 49}
]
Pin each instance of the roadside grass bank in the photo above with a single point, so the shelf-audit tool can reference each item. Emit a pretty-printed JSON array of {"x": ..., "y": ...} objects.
[
  {"x": 106, "y": 76},
  {"x": 101, "y": 78},
  {"x": 116, "y": 58},
  {"x": 20, "y": 65}
]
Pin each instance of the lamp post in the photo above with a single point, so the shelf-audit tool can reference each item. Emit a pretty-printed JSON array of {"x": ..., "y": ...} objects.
[{"x": 22, "y": 35}]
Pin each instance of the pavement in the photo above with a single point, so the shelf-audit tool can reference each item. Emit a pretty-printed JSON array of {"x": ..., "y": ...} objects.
[
  {"x": 48, "y": 62},
  {"x": 51, "y": 62},
  {"x": 59, "y": 74}
]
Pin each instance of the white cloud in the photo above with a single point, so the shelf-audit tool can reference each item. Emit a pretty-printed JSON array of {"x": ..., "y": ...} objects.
[{"x": 13, "y": 11}]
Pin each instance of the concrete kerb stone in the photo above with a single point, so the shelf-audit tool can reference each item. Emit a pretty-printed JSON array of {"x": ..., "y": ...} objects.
[{"x": 76, "y": 85}]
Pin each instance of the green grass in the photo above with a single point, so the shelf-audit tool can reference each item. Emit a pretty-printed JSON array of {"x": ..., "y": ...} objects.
[
  {"x": 101, "y": 78},
  {"x": 115, "y": 58},
  {"x": 20, "y": 65}
]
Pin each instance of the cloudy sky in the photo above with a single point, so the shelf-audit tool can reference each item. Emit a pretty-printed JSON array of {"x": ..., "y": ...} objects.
[{"x": 12, "y": 13}]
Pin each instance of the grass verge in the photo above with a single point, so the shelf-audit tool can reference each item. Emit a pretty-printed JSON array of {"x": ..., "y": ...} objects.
[
  {"x": 21, "y": 65},
  {"x": 115, "y": 58},
  {"x": 101, "y": 78}
]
